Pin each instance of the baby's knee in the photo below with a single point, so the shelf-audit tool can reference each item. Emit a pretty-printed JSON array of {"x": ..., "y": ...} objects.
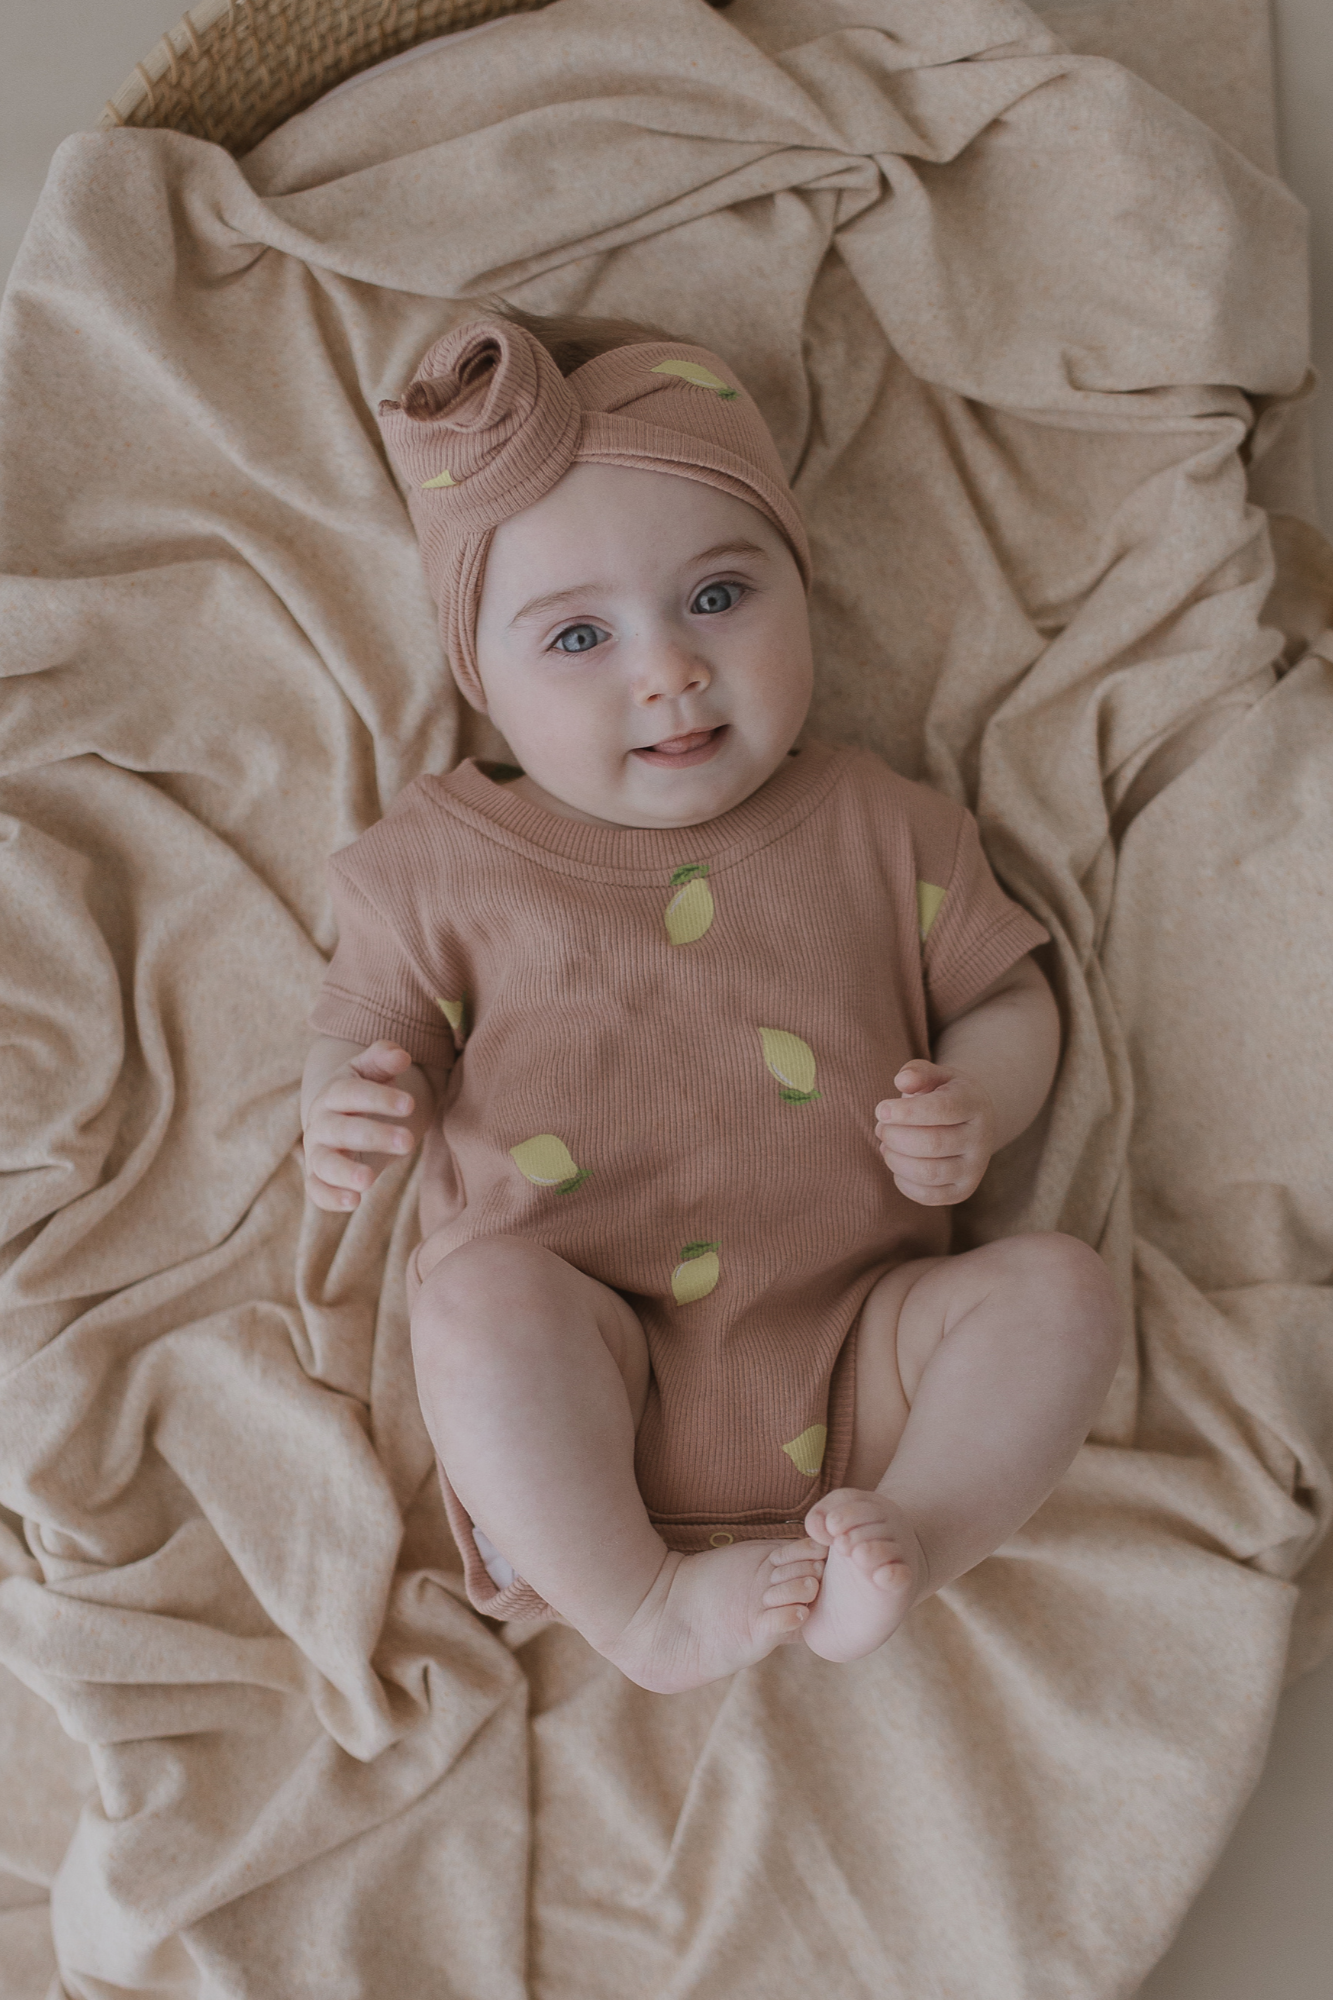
[
  {"x": 1072, "y": 1283},
  {"x": 478, "y": 1290}
]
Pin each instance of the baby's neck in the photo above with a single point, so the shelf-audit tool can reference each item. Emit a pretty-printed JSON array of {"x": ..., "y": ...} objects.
[
  {"x": 529, "y": 789},
  {"x": 516, "y": 780}
]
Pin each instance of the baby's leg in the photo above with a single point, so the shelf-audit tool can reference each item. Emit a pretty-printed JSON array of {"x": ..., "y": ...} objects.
[
  {"x": 533, "y": 1378},
  {"x": 977, "y": 1379}
]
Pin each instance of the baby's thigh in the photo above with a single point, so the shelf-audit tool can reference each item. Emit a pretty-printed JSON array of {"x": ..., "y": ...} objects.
[
  {"x": 510, "y": 1292},
  {"x": 887, "y": 1347},
  {"x": 1048, "y": 1284}
]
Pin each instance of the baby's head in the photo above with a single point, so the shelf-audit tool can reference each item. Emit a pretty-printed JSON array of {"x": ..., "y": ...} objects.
[{"x": 618, "y": 561}]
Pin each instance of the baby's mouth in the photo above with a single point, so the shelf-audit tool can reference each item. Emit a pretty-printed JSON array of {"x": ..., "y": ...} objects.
[{"x": 694, "y": 747}]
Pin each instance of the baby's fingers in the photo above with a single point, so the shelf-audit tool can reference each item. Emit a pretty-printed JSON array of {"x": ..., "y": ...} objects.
[
  {"x": 381, "y": 1061},
  {"x": 923, "y": 1142},
  {"x": 349, "y": 1092},
  {"x": 925, "y": 1173},
  {"x": 337, "y": 1199},
  {"x": 359, "y": 1135},
  {"x": 933, "y": 1197},
  {"x": 338, "y": 1170},
  {"x": 942, "y": 1107}
]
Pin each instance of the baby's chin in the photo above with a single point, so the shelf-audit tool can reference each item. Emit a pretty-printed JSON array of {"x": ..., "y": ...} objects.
[
  {"x": 644, "y": 787},
  {"x": 661, "y": 791}
]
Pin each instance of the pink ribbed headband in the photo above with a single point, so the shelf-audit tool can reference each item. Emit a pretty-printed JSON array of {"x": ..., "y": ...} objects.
[{"x": 488, "y": 424}]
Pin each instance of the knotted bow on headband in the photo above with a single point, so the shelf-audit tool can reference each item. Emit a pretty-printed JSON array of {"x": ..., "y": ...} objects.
[{"x": 488, "y": 425}]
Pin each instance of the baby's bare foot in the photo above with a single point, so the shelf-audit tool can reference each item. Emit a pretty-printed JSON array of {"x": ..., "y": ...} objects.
[
  {"x": 711, "y": 1614},
  {"x": 876, "y": 1571}
]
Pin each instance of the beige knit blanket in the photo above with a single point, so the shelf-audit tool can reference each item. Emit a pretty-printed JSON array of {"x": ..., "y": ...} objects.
[{"x": 1013, "y": 316}]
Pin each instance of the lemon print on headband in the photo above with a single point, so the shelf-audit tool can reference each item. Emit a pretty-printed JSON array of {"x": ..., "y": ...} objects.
[
  {"x": 703, "y": 378},
  {"x": 548, "y": 1162},
  {"x": 690, "y": 911},
  {"x": 445, "y": 478}
]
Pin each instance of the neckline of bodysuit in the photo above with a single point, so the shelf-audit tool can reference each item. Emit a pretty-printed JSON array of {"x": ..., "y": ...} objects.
[{"x": 635, "y": 853}]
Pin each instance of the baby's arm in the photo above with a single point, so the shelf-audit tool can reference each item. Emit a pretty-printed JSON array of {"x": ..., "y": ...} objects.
[
  {"x": 354, "y": 1102},
  {"x": 993, "y": 1065}
]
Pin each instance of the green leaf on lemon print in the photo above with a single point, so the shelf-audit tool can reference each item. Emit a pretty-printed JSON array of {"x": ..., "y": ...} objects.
[
  {"x": 547, "y": 1162},
  {"x": 791, "y": 1061},
  {"x": 696, "y": 1274},
  {"x": 703, "y": 378},
  {"x": 453, "y": 1012},
  {"x": 928, "y": 899},
  {"x": 690, "y": 911},
  {"x": 807, "y": 1451},
  {"x": 445, "y": 478}
]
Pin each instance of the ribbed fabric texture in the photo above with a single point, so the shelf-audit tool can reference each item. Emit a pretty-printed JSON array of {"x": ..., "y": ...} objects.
[
  {"x": 672, "y": 1044},
  {"x": 488, "y": 425}
]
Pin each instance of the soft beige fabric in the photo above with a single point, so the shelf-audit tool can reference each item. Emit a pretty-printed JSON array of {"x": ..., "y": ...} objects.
[{"x": 317, "y": 1770}]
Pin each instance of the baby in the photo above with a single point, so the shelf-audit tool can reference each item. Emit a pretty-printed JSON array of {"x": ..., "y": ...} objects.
[{"x": 705, "y": 1026}]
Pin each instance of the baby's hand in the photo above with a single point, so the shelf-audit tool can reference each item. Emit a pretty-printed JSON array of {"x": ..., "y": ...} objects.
[
  {"x": 358, "y": 1112},
  {"x": 937, "y": 1138}
]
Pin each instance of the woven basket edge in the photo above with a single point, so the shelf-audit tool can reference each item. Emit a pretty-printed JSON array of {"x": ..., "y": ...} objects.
[
  {"x": 185, "y": 53},
  {"x": 158, "y": 63}
]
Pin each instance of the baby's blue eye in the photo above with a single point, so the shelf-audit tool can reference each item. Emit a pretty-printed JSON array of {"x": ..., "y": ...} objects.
[
  {"x": 717, "y": 597},
  {"x": 579, "y": 639}
]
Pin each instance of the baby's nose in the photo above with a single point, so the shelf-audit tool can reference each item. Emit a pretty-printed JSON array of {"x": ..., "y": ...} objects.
[{"x": 671, "y": 671}]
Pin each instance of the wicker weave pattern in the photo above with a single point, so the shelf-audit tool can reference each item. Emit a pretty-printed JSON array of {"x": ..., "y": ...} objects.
[{"x": 232, "y": 70}]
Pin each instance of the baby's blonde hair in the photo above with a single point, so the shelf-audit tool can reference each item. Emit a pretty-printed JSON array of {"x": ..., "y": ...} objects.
[{"x": 571, "y": 338}]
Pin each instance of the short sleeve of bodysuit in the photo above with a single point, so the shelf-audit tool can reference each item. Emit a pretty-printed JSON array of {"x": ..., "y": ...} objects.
[
  {"x": 378, "y": 986},
  {"x": 971, "y": 931}
]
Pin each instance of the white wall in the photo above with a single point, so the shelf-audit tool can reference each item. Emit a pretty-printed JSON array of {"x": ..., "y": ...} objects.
[
  {"x": 1303, "y": 31},
  {"x": 59, "y": 61}
]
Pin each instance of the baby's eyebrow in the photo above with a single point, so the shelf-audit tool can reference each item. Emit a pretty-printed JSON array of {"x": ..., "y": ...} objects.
[
  {"x": 551, "y": 598},
  {"x": 554, "y": 597},
  {"x": 729, "y": 549}
]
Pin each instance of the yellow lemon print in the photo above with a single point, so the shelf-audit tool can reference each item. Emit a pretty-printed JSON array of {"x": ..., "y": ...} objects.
[
  {"x": 690, "y": 911},
  {"x": 696, "y": 1274},
  {"x": 790, "y": 1060},
  {"x": 547, "y": 1162},
  {"x": 807, "y": 1451},
  {"x": 445, "y": 478},
  {"x": 703, "y": 378},
  {"x": 928, "y": 900},
  {"x": 453, "y": 1011}
]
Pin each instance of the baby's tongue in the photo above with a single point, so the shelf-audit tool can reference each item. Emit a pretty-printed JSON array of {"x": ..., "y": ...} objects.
[
  {"x": 696, "y": 746},
  {"x": 689, "y": 742}
]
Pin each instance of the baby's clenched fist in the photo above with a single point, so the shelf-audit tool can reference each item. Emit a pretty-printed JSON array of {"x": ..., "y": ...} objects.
[
  {"x": 359, "y": 1112},
  {"x": 937, "y": 1138}
]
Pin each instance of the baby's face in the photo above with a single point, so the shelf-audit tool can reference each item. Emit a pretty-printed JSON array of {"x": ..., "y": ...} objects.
[{"x": 644, "y": 647}]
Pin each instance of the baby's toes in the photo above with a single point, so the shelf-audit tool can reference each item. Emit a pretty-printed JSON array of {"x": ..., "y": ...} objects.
[
  {"x": 861, "y": 1534},
  {"x": 791, "y": 1589},
  {"x": 836, "y": 1512},
  {"x": 787, "y": 1553},
  {"x": 881, "y": 1561},
  {"x": 845, "y": 1510}
]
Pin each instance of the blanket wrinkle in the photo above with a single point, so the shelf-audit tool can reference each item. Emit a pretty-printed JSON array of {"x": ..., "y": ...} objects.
[{"x": 1012, "y": 315}]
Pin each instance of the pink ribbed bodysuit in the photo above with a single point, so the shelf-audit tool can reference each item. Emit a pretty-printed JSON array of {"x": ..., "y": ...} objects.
[{"x": 666, "y": 1048}]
